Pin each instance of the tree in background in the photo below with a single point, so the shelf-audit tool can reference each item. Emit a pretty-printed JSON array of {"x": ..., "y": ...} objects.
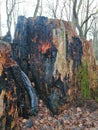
[
  {"x": 36, "y": 9},
  {"x": 94, "y": 32},
  {"x": 81, "y": 13},
  {"x": 10, "y": 6},
  {"x": 53, "y": 7},
  {"x": 12, "y": 9},
  {"x": 84, "y": 21}
]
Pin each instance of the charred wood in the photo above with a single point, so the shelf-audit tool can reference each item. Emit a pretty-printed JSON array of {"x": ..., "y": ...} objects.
[{"x": 37, "y": 47}]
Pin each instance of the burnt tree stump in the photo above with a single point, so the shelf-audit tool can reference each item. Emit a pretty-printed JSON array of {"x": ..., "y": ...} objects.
[{"x": 47, "y": 51}]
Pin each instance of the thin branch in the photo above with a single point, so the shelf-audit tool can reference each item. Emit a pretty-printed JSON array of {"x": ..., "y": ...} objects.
[
  {"x": 62, "y": 10},
  {"x": 56, "y": 7},
  {"x": 90, "y": 4},
  {"x": 66, "y": 9},
  {"x": 88, "y": 18},
  {"x": 20, "y": 2},
  {"x": 89, "y": 26}
]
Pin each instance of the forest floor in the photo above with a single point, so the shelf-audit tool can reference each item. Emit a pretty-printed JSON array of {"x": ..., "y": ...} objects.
[{"x": 80, "y": 116}]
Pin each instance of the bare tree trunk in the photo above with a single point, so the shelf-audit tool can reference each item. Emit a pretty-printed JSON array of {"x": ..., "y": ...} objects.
[
  {"x": 36, "y": 9},
  {"x": 10, "y": 6},
  {"x": 55, "y": 10},
  {"x": 41, "y": 8},
  {"x": 75, "y": 19},
  {"x": 86, "y": 24},
  {"x": 84, "y": 27}
]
